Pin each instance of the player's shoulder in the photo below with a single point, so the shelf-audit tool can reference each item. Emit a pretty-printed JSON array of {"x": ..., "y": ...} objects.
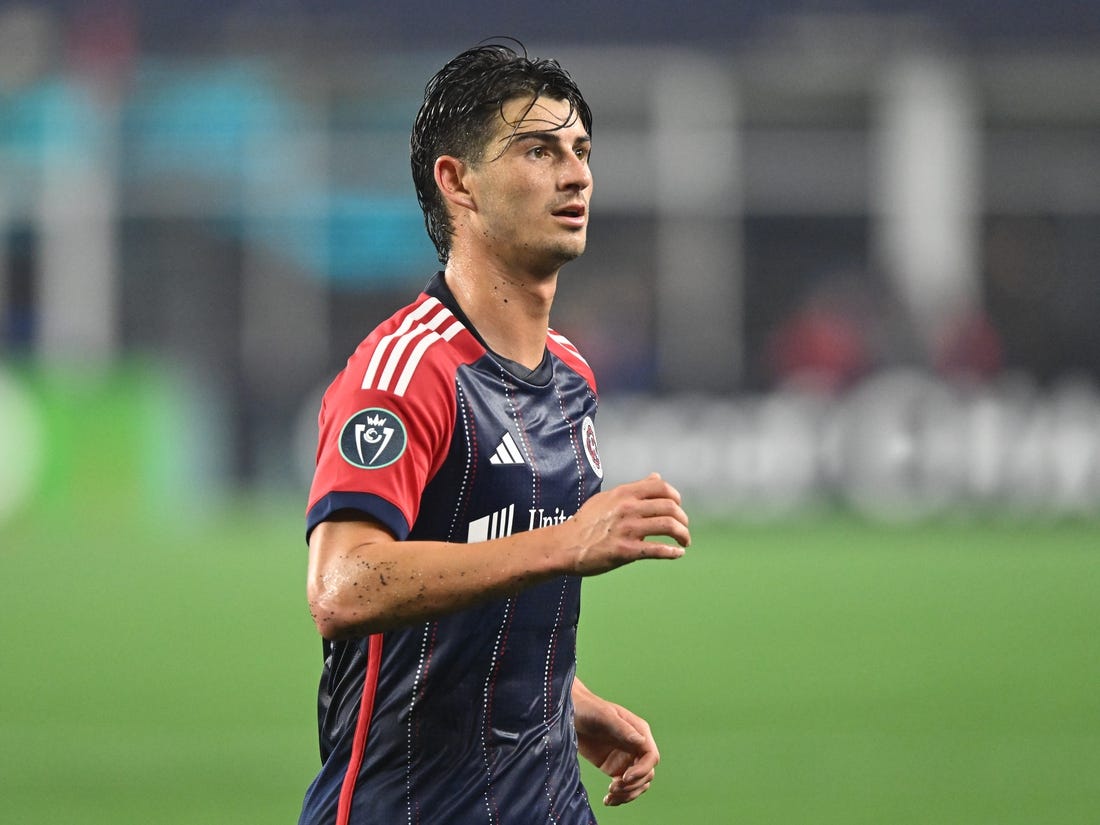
[
  {"x": 567, "y": 352},
  {"x": 422, "y": 339}
]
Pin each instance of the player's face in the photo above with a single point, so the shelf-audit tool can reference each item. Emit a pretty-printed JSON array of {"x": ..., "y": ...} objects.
[{"x": 534, "y": 185}]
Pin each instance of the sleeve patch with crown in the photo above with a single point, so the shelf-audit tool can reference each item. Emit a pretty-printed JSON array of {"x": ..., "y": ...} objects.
[{"x": 373, "y": 438}]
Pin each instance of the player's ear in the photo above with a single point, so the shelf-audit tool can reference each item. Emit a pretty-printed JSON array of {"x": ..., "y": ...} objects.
[{"x": 452, "y": 178}]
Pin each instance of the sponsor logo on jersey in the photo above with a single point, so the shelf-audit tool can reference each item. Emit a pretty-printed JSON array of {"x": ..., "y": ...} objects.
[
  {"x": 541, "y": 517},
  {"x": 507, "y": 452},
  {"x": 591, "y": 451},
  {"x": 502, "y": 523},
  {"x": 493, "y": 526},
  {"x": 373, "y": 438}
]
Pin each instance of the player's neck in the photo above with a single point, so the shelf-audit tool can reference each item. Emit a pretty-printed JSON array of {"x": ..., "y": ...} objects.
[{"x": 511, "y": 313}]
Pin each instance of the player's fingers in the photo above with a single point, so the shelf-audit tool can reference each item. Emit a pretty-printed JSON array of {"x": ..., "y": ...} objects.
[
  {"x": 645, "y": 765},
  {"x": 632, "y": 780},
  {"x": 663, "y": 506},
  {"x": 657, "y": 487},
  {"x": 621, "y": 797},
  {"x": 654, "y": 550},
  {"x": 668, "y": 526},
  {"x": 657, "y": 517},
  {"x": 652, "y": 486}
]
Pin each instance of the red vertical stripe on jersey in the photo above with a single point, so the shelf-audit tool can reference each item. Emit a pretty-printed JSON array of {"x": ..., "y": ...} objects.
[{"x": 362, "y": 728}]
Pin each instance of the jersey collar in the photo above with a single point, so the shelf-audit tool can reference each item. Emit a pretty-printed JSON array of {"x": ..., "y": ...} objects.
[{"x": 540, "y": 376}]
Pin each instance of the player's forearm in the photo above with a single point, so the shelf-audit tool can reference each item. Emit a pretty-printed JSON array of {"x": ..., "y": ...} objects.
[
  {"x": 362, "y": 581},
  {"x": 369, "y": 588}
]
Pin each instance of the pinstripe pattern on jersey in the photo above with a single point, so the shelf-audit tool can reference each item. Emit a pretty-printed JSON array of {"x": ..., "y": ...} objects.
[
  {"x": 488, "y": 696},
  {"x": 427, "y": 647},
  {"x": 389, "y": 353}
]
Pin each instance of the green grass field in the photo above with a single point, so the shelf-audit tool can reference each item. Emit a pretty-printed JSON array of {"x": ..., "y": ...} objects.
[{"x": 824, "y": 671}]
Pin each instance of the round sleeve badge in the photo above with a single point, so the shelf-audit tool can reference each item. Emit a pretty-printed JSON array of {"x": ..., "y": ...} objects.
[
  {"x": 591, "y": 452},
  {"x": 373, "y": 438}
]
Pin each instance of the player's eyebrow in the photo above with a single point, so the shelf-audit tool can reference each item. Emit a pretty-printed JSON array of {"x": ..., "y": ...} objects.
[{"x": 550, "y": 135}]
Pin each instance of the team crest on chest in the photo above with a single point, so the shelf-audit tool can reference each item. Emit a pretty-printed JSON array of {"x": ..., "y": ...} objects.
[
  {"x": 373, "y": 438},
  {"x": 591, "y": 451}
]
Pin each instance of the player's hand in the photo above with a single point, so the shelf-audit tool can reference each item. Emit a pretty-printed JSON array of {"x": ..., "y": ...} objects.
[
  {"x": 611, "y": 528},
  {"x": 617, "y": 742}
]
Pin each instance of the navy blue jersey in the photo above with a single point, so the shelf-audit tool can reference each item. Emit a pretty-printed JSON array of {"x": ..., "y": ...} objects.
[{"x": 467, "y": 718}]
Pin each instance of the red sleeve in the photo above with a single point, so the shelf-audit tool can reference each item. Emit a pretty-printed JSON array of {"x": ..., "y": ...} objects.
[{"x": 377, "y": 449}]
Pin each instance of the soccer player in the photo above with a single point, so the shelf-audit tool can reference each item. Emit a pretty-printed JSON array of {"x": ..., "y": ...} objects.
[{"x": 456, "y": 504}]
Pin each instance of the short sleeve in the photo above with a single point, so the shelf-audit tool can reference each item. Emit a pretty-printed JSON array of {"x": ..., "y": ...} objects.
[{"x": 377, "y": 450}]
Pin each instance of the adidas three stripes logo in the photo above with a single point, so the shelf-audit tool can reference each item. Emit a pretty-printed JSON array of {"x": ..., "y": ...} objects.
[{"x": 507, "y": 452}]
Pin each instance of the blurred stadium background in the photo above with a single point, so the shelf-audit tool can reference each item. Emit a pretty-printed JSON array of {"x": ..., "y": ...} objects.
[{"x": 841, "y": 288}]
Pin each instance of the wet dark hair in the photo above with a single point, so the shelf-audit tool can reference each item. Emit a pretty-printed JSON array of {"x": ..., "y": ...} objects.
[{"x": 459, "y": 116}]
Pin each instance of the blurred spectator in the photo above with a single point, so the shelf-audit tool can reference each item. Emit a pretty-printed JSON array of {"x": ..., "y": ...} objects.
[
  {"x": 969, "y": 348},
  {"x": 844, "y": 327},
  {"x": 821, "y": 347}
]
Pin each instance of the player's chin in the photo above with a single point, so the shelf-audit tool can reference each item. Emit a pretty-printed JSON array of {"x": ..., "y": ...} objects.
[{"x": 569, "y": 249}]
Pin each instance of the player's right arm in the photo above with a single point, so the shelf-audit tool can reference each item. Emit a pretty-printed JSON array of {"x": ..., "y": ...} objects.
[{"x": 361, "y": 580}]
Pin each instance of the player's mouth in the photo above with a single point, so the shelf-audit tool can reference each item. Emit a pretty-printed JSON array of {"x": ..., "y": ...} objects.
[{"x": 573, "y": 214}]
